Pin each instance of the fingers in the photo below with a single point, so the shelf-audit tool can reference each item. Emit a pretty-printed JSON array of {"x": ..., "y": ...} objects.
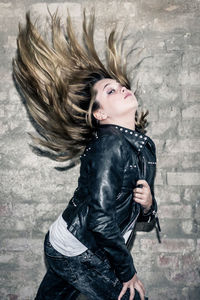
[
  {"x": 145, "y": 186},
  {"x": 142, "y": 286},
  {"x": 123, "y": 291},
  {"x": 132, "y": 293},
  {"x": 138, "y": 190},
  {"x": 140, "y": 290},
  {"x": 138, "y": 196},
  {"x": 146, "y": 203},
  {"x": 140, "y": 201},
  {"x": 143, "y": 195},
  {"x": 143, "y": 182},
  {"x": 133, "y": 284}
]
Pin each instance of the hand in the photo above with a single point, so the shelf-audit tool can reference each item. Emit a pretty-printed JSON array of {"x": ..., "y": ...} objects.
[
  {"x": 132, "y": 284},
  {"x": 143, "y": 195}
]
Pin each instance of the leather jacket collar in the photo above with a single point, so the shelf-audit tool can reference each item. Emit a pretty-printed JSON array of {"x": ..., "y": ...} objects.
[{"x": 137, "y": 139}]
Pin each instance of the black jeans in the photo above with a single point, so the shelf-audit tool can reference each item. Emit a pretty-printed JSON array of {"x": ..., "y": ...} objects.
[{"x": 87, "y": 273}]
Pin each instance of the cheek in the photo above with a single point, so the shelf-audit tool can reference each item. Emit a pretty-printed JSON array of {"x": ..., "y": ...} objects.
[
  {"x": 108, "y": 104},
  {"x": 117, "y": 108},
  {"x": 114, "y": 105}
]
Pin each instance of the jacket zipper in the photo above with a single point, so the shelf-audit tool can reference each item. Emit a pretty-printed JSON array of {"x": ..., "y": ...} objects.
[
  {"x": 144, "y": 167},
  {"x": 132, "y": 224}
]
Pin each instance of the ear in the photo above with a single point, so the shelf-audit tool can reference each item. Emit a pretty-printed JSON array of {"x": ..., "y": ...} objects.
[{"x": 100, "y": 114}]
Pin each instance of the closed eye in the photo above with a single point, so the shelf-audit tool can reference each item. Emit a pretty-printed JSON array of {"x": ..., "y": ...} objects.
[{"x": 111, "y": 91}]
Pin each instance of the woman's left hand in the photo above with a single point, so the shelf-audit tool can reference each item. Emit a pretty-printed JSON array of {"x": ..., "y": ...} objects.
[{"x": 143, "y": 195}]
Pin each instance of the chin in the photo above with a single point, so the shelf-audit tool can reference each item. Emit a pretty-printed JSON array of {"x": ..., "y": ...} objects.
[
  {"x": 135, "y": 104},
  {"x": 135, "y": 101}
]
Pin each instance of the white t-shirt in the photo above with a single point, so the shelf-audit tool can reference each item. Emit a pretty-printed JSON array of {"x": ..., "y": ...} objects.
[{"x": 65, "y": 242}]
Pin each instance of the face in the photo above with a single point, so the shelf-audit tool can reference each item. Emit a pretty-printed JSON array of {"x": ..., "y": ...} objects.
[{"x": 116, "y": 101}]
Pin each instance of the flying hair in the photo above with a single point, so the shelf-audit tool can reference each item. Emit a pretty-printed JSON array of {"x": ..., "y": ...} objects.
[{"x": 57, "y": 83}]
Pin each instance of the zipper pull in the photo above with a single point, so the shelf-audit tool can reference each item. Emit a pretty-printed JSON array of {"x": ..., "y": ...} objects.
[{"x": 157, "y": 219}]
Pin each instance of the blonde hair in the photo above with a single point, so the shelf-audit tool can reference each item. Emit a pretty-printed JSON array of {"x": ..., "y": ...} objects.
[{"x": 57, "y": 82}]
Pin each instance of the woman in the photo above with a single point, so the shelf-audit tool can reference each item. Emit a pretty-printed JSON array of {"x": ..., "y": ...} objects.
[{"x": 83, "y": 107}]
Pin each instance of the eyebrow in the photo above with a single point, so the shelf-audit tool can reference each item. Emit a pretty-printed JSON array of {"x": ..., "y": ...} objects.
[{"x": 106, "y": 85}]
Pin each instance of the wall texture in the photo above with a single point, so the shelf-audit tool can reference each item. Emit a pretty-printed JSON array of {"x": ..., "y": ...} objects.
[{"x": 33, "y": 192}]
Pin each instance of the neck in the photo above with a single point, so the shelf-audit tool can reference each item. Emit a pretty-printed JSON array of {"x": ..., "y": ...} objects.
[
  {"x": 128, "y": 123},
  {"x": 122, "y": 124}
]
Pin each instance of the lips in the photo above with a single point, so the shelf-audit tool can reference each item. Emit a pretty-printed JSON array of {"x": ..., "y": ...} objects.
[{"x": 127, "y": 95}]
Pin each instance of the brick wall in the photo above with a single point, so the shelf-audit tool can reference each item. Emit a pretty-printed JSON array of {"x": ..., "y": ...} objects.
[{"x": 33, "y": 192}]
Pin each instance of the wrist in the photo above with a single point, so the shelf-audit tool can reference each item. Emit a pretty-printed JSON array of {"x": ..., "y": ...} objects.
[{"x": 146, "y": 210}]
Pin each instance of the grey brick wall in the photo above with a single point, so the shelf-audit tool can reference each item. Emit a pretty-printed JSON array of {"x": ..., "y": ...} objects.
[{"x": 33, "y": 192}]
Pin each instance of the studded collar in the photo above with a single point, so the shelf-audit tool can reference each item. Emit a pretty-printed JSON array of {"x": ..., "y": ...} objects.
[{"x": 136, "y": 139}]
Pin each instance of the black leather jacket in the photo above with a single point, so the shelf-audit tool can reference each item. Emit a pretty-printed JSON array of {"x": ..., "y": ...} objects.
[{"x": 102, "y": 208}]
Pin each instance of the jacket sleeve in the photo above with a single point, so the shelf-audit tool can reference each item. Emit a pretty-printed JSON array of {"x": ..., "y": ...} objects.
[
  {"x": 152, "y": 213},
  {"x": 105, "y": 176}
]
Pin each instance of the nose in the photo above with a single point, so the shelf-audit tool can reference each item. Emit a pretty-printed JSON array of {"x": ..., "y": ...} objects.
[{"x": 123, "y": 89}]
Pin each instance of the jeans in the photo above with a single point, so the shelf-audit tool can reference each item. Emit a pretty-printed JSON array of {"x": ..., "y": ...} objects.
[{"x": 86, "y": 273}]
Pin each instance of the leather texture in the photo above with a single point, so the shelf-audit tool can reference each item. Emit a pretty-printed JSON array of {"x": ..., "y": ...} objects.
[{"x": 102, "y": 208}]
